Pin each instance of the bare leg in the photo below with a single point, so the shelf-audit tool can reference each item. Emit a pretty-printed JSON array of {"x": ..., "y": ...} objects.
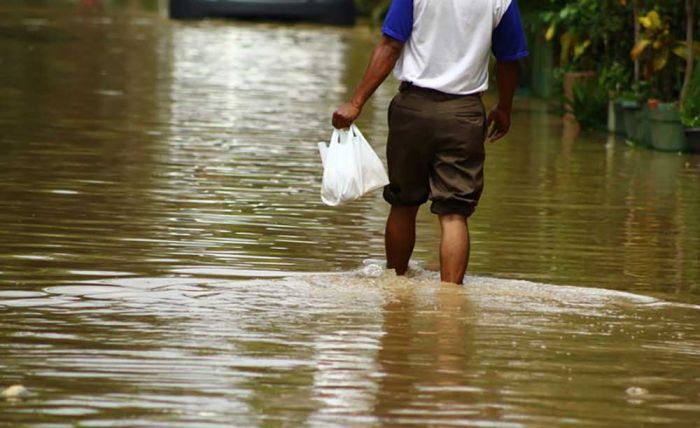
[
  {"x": 454, "y": 248},
  {"x": 400, "y": 237}
]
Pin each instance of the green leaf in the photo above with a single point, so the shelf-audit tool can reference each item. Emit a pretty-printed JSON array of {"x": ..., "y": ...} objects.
[
  {"x": 550, "y": 32},
  {"x": 652, "y": 21},
  {"x": 639, "y": 48},
  {"x": 379, "y": 11},
  {"x": 567, "y": 39},
  {"x": 682, "y": 51},
  {"x": 660, "y": 60},
  {"x": 580, "y": 48},
  {"x": 655, "y": 19}
]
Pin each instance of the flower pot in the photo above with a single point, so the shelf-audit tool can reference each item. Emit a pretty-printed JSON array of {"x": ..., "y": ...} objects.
[
  {"x": 611, "y": 116},
  {"x": 667, "y": 133},
  {"x": 616, "y": 122},
  {"x": 619, "y": 112},
  {"x": 692, "y": 137},
  {"x": 642, "y": 130},
  {"x": 629, "y": 116}
]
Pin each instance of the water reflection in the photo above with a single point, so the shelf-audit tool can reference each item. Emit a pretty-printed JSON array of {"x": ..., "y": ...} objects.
[
  {"x": 441, "y": 325},
  {"x": 348, "y": 349}
]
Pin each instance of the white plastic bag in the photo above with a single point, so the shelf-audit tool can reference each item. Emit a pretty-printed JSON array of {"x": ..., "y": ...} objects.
[{"x": 350, "y": 167}]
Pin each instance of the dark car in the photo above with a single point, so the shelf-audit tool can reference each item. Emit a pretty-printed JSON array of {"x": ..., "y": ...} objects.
[{"x": 337, "y": 12}]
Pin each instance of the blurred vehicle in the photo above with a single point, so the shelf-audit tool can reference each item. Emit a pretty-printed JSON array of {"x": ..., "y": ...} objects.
[{"x": 336, "y": 12}]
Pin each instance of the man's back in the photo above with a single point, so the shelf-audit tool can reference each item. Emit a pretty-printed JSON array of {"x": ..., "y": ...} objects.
[{"x": 448, "y": 41}]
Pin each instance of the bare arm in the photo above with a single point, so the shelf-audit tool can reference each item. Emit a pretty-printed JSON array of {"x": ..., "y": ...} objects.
[
  {"x": 507, "y": 81},
  {"x": 383, "y": 59}
]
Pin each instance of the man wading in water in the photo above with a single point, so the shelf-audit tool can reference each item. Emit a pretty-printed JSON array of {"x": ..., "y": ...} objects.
[{"x": 439, "y": 50}]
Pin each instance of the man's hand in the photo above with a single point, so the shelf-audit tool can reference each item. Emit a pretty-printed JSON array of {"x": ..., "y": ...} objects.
[
  {"x": 345, "y": 115},
  {"x": 383, "y": 59},
  {"x": 498, "y": 123}
]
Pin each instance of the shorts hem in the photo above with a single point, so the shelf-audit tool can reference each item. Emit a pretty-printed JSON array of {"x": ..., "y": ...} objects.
[
  {"x": 392, "y": 199},
  {"x": 452, "y": 207}
]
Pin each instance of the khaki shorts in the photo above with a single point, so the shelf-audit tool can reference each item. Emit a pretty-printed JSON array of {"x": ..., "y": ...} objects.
[{"x": 435, "y": 150}]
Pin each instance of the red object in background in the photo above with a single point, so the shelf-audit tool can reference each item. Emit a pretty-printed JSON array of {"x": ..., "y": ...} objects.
[{"x": 89, "y": 3}]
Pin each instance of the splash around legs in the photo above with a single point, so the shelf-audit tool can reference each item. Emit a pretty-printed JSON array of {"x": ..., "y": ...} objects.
[{"x": 400, "y": 238}]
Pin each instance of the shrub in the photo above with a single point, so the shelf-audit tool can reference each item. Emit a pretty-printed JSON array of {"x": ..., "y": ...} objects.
[
  {"x": 690, "y": 113},
  {"x": 589, "y": 104}
]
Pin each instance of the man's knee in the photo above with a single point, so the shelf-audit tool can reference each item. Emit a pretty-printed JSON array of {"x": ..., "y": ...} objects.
[
  {"x": 452, "y": 218},
  {"x": 405, "y": 210}
]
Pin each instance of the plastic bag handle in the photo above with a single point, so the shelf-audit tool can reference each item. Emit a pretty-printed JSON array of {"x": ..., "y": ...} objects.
[
  {"x": 356, "y": 131},
  {"x": 341, "y": 136},
  {"x": 335, "y": 137}
]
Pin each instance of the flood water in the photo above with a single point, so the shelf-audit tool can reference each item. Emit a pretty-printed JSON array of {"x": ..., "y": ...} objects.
[{"x": 165, "y": 259}]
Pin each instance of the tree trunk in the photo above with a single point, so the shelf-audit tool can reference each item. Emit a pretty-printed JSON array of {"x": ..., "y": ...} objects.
[
  {"x": 690, "y": 22},
  {"x": 635, "y": 15}
]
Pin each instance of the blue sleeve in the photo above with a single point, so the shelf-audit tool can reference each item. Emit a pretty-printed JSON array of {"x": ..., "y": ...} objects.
[
  {"x": 508, "y": 39},
  {"x": 398, "y": 23}
]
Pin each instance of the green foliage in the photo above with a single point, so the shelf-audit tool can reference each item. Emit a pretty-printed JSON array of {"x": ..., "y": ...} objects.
[
  {"x": 367, "y": 7},
  {"x": 363, "y": 6},
  {"x": 662, "y": 49},
  {"x": 587, "y": 31},
  {"x": 598, "y": 35},
  {"x": 375, "y": 9},
  {"x": 690, "y": 112},
  {"x": 661, "y": 52},
  {"x": 615, "y": 78},
  {"x": 638, "y": 91},
  {"x": 589, "y": 104}
]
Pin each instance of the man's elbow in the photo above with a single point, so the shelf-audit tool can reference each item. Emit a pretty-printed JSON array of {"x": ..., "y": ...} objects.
[
  {"x": 392, "y": 46},
  {"x": 510, "y": 67}
]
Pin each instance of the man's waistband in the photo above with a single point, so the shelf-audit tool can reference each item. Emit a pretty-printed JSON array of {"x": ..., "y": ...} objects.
[{"x": 433, "y": 93}]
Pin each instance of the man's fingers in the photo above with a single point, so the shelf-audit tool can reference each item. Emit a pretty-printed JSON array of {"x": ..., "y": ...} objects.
[
  {"x": 341, "y": 123},
  {"x": 498, "y": 135},
  {"x": 491, "y": 125},
  {"x": 342, "y": 118},
  {"x": 492, "y": 130},
  {"x": 499, "y": 132},
  {"x": 338, "y": 121}
]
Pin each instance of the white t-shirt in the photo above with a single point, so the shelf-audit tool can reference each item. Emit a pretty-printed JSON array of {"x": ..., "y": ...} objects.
[{"x": 447, "y": 42}]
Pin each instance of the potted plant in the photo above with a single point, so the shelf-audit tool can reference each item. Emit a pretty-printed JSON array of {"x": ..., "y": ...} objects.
[
  {"x": 580, "y": 49},
  {"x": 667, "y": 133},
  {"x": 630, "y": 107},
  {"x": 655, "y": 47},
  {"x": 633, "y": 116},
  {"x": 690, "y": 114},
  {"x": 612, "y": 79},
  {"x": 643, "y": 132},
  {"x": 690, "y": 94},
  {"x": 586, "y": 34}
]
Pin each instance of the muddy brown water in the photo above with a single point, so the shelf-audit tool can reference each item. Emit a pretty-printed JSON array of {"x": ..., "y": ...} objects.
[{"x": 165, "y": 259}]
